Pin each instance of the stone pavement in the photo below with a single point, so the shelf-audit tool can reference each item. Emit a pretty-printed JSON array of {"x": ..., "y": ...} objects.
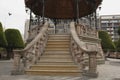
[
  {"x": 5, "y": 67},
  {"x": 109, "y": 71}
]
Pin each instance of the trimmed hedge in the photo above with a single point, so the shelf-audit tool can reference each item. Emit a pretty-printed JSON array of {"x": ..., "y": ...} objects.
[
  {"x": 3, "y": 41},
  {"x": 106, "y": 42},
  {"x": 1, "y": 28},
  {"x": 14, "y": 39}
]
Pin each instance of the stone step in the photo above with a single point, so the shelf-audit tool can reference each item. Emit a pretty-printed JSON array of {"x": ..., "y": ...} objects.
[
  {"x": 58, "y": 46},
  {"x": 57, "y": 56},
  {"x": 54, "y": 67},
  {"x": 56, "y": 52},
  {"x": 55, "y": 35},
  {"x": 56, "y": 60},
  {"x": 64, "y": 40},
  {"x": 57, "y": 49},
  {"x": 54, "y": 72},
  {"x": 59, "y": 37},
  {"x": 56, "y": 63},
  {"x": 58, "y": 42}
]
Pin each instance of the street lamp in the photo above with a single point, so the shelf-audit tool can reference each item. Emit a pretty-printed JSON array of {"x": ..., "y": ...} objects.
[
  {"x": 30, "y": 17},
  {"x": 96, "y": 19},
  {"x": 43, "y": 11}
]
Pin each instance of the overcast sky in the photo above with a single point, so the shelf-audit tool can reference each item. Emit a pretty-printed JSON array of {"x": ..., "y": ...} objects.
[{"x": 18, "y": 17}]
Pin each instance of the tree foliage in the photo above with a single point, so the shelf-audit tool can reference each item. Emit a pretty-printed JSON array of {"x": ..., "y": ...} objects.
[
  {"x": 118, "y": 42},
  {"x": 118, "y": 31},
  {"x": 106, "y": 42},
  {"x": 3, "y": 41},
  {"x": 14, "y": 39},
  {"x": 118, "y": 45}
]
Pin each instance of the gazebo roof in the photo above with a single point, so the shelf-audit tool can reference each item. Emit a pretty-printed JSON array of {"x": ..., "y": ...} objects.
[{"x": 62, "y": 9}]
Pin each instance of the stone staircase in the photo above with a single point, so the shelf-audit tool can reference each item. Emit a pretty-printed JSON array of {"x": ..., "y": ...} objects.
[{"x": 56, "y": 59}]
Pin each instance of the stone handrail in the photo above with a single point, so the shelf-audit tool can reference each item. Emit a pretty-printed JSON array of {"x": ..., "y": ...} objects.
[{"x": 32, "y": 52}]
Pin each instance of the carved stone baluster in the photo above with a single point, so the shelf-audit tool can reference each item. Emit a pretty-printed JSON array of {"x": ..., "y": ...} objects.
[
  {"x": 75, "y": 52},
  {"x": 34, "y": 54},
  {"x": 72, "y": 46},
  {"x": 82, "y": 30},
  {"x": 78, "y": 29},
  {"x": 39, "y": 51},
  {"x": 41, "y": 43},
  {"x": 44, "y": 37},
  {"x": 40, "y": 47}
]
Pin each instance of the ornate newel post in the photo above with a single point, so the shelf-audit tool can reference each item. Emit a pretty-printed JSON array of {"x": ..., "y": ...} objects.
[
  {"x": 16, "y": 64},
  {"x": 92, "y": 72}
]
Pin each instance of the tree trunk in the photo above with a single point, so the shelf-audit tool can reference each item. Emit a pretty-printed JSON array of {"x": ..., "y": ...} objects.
[{"x": 9, "y": 53}]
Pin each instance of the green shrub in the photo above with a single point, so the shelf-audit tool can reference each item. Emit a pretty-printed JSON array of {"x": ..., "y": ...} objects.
[
  {"x": 106, "y": 41},
  {"x": 3, "y": 41},
  {"x": 1, "y": 28},
  {"x": 14, "y": 38}
]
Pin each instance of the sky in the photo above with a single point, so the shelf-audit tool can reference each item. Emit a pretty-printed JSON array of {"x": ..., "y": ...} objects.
[{"x": 18, "y": 17}]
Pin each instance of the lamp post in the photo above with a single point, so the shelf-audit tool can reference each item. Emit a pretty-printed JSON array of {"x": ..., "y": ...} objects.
[
  {"x": 30, "y": 17},
  {"x": 43, "y": 11},
  {"x": 77, "y": 10},
  {"x": 96, "y": 18}
]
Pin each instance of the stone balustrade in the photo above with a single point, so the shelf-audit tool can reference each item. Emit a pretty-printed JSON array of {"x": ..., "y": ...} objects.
[
  {"x": 84, "y": 42},
  {"x": 33, "y": 32},
  {"x": 86, "y": 31},
  {"x": 32, "y": 52}
]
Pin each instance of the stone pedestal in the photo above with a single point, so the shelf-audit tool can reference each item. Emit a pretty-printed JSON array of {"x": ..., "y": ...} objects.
[
  {"x": 16, "y": 65},
  {"x": 92, "y": 72}
]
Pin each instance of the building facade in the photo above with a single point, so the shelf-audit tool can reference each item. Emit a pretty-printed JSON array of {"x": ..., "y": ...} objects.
[{"x": 110, "y": 23}]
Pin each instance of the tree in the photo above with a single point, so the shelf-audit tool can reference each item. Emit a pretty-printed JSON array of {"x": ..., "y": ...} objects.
[
  {"x": 14, "y": 40},
  {"x": 118, "y": 31},
  {"x": 118, "y": 42},
  {"x": 118, "y": 45},
  {"x": 3, "y": 41},
  {"x": 106, "y": 42}
]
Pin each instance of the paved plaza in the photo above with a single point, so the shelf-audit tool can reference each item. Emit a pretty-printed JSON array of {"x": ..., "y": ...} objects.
[{"x": 109, "y": 71}]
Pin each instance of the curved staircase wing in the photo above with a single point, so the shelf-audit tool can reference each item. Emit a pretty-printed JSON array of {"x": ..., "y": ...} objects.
[
  {"x": 86, "y": 49},
  {"x": 31, "y": 53}
]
